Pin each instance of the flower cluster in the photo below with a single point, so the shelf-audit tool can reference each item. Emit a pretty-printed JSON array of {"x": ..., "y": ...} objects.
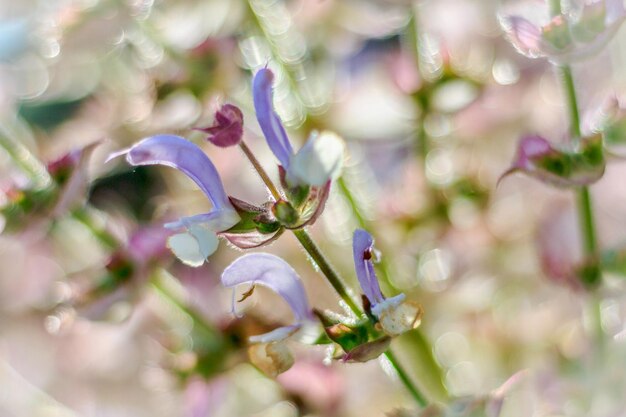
[{"x": 306, "y": 177}]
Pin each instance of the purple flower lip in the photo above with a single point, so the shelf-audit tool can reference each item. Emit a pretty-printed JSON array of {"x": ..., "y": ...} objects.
[
  {"x": 395, "y": 315},
  {"x": 178, "y": 153},
  {"x": 272, "y": 272},
  {"x": 269, "y": 121},
  {"x": 362, "y": 248},
  {"x": 227, "y": 130}
]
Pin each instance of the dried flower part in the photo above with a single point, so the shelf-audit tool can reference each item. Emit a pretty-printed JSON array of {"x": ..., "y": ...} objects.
[
  {"x": 396, "y": 319},
  {"x": 562, "y": 168},
  {"x": 567, "y": 37},
  {"x": 271, "y": 358},
  {"x": 368, "y": 351},
  {"x": 227, "y": 130}
]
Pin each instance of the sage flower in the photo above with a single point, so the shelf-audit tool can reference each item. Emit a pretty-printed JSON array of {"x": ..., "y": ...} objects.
[
  {"x": 197, "y": 237},
  {"x": 268, "y": 351},
  {"x": 395, "y": 315},
  {"x": 568, "y": 37},
  {"x": 276, "y": 274},
  {"x": 317, "y": 162}
]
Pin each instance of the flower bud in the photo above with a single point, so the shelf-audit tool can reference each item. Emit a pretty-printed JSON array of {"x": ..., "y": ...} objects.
[
  {"x": 227, "y": 130},
  {"x": 285, "y": 213}
]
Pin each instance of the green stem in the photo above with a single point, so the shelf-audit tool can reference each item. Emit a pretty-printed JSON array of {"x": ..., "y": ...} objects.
[
  {"x": 406, "y": 380},
  {"x": 259, "y": 169},
  {"x": 329, "y": 272},
  {"x": 592, "y": 274}
]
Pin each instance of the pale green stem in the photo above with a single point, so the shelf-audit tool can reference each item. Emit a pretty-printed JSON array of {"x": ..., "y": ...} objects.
[{"x": 592, "y": 273}]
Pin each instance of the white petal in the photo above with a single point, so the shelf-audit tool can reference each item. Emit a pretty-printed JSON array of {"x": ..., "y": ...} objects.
[
  {"x": 193, "y": 246},
  {"x": 318, "y": 161},
  {"x": 275, "y": 335}
]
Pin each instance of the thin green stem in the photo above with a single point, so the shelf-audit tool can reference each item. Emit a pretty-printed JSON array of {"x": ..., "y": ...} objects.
[
  {"x": 259, "y": 169},
  {"x": 585, "y": 206},
  {"x": 592, "y": 273},
  {"x": 572, "y": 101},
  {"x": 329, "y": 272},
  {"x": 406, "y": 380}
]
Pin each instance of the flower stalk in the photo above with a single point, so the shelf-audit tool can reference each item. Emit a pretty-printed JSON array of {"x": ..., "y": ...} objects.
[{"x": 592, "y": 273}]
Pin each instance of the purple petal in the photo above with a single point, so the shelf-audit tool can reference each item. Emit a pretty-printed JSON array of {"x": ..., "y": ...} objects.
[
  {"x": 268, "y": 119},
  {"x": 525, "y": 36},
  {"x": 177, "y": 152},
  {"x": 274, "y": 273},
  {"x": 362, "y": 245},
  {"x": 227, "y": 130}
]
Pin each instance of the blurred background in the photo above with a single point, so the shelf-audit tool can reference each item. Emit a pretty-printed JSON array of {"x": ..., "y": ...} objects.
[{"x": 97, "y": 318}]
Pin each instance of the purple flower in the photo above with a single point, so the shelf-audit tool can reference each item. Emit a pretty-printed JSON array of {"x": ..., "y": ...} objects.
[
  {"x": 227, "y": 130},
  {"x": 198, "y": 237},
  {"x": 395, "y": 315},
  {"x": 317, "y": 162},
  {"x": 567, "y": 37},
  {"x": 274, "y": 273}
]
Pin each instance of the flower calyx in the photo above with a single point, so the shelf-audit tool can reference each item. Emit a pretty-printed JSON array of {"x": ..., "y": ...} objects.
[{"x": 561, "y": 167}]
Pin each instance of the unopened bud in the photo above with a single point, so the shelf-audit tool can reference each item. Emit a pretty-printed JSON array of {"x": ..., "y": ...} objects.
[
  {"x": 227, "y": 130},
  {"x": 285, "y": 213}
]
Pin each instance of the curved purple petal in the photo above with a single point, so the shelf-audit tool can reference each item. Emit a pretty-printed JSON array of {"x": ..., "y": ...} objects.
[
  {"x": 362, "y": 246},
  {"x": 274, "y": 273},
  {"x": 268, "y": 119},
  {"x": 183, "y": 155}
]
